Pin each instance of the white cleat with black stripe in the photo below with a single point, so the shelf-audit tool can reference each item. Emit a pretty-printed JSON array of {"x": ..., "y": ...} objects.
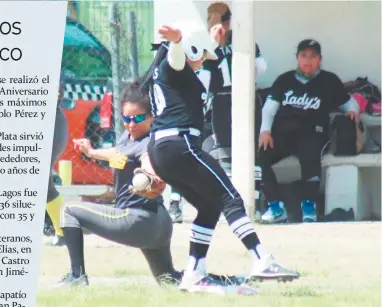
[
  {"x": 268, "y": 269},
  {"x": 197, "y": 282}
]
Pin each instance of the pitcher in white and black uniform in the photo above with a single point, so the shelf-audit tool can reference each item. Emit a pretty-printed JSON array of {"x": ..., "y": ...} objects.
[
  {"x": 176, "y": 155},
  {"x": 295, "y": 121}
]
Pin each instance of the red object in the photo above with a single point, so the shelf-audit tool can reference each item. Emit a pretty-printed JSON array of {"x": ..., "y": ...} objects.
[
  {"x": 375, "y": 108},
  {"x": 84, "y": 171},
  {"x": 362, "y": 102},
  {"x": 106, "y": 111}
]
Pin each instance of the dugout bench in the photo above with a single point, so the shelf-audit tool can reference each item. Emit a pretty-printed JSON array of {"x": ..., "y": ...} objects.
[{"x": 348, "y": 182}]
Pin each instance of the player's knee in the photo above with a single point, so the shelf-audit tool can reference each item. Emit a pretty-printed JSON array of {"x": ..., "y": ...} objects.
[
  {"x": 208, "y": 216},
  {"x": 234, "y": 206}
]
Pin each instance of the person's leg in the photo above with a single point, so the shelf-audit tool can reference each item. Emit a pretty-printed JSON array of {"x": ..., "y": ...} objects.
[
  {"x": 208, "y": 181},
  {"x": 159, "y": 256},
  {"x": 220, "y": 189},
  {"x": 54, "y": 199},
  {"x": 259, "y": 206},
  {"x": 161, "y": 266},
  {"x": 308, "y": 150},
  {"x": 282, "y": 147},
  {"x": 221, "y": 127},
  {"x": 131, "y": 227},
  {"x": 175, "y": 209},
  {"x": 171, "y": 164}
]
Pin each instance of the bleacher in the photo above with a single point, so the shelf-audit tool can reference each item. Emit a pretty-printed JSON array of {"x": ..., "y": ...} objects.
[{"x": 348, "y": 182}]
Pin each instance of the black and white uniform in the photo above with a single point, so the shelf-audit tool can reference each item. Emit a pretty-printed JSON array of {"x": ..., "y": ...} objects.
[
  {"x": 134, "y": 221},
  {"x": 220, "y": 86},
  {"x": 176, "y": 156},
  {"x": 297, "y": 114}
]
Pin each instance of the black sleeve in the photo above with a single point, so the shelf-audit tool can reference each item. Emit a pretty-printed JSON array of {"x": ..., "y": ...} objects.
[
  {"x": 277, "y": 90},
  {"x": 339, "y": 93}
]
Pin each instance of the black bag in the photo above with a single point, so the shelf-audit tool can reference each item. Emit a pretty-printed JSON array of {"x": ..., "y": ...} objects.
[{"x": 345, "y": 138}]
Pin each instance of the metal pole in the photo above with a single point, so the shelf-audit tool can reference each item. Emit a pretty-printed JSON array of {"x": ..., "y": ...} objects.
[
  {"x": 133, "y": 45},
  {"x": 115, "y": 62},
  {"x": 243, "y": 101}
]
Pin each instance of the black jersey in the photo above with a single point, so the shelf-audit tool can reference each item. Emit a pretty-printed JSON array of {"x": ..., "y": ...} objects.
[
  {"x": 123, "y": 177},
  {"x": 177, "y": 98},
  {"x": 307, "y": 105},
  {"x": 221, "y": 69}
]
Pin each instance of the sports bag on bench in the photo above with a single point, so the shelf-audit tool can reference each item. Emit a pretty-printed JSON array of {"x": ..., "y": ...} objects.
[{"x": 347, "y": 139}]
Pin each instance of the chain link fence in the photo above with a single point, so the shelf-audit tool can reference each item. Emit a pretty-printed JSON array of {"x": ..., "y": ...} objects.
[{"x": 106, "y": 44}]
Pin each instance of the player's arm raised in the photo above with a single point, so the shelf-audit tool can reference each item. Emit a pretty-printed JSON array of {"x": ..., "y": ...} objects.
[{"x": 176, "y": 56}]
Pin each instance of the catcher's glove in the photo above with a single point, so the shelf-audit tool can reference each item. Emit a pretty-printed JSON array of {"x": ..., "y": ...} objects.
[{"x": 146, "y": 185}]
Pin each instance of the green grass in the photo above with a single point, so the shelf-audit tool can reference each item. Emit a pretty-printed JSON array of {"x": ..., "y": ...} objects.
[
  {"x": 273, "y": 295},
  {"x": 340, "y": 266}
]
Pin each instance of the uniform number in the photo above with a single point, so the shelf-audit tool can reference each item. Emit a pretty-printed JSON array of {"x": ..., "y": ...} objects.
[
  {"x": 160, "y": 100},
  {"x": 225, "y": 73}
]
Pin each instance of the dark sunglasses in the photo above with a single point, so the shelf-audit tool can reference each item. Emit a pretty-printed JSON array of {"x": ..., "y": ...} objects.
[{"x": 136, "y": 118}]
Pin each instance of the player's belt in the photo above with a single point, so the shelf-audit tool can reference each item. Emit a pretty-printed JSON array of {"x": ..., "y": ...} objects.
[
  {"x": 176, "y": 131},
  {"x": 223, "y": 93}
]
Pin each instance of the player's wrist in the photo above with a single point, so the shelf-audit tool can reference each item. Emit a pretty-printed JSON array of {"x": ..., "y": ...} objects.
[
  {"x": 90, "y": 153},
  {"x": 265, "y": 132}
]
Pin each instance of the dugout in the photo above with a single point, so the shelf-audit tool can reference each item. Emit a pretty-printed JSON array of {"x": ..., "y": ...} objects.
[{"x": 350, "y": 35}]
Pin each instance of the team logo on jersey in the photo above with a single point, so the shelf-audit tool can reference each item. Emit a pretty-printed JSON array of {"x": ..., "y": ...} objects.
[{"x": 302, "y": 102}]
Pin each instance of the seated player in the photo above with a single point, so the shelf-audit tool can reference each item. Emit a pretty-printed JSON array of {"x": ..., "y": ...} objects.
[{"x": 295, "y": 121}]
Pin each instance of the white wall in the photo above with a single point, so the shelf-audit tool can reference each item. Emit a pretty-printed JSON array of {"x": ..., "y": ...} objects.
[{"x": 349, "y": 32}]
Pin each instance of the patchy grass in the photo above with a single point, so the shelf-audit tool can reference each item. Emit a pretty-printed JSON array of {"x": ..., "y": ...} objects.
[{"x": 340, "y": 264}]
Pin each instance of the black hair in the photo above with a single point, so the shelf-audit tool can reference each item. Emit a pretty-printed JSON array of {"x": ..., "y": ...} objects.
[
  {"x": 146, "y": 80},
  {"x": 133, "y": 93},
  {"x": 139, "y": 91}
]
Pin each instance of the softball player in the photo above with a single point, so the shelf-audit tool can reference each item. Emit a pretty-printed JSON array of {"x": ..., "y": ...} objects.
[
  {"x": 134, "y": 221},
  {"x": 295, "y": 120},
  {"x": 220, "y": 83},
  {"x": 60, "y": 140},
  {"x": 208, "y": 144},
  {"x": 176, "y": 155}
]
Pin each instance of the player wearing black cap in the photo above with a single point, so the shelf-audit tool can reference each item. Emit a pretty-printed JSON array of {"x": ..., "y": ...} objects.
[{"x": 295, "y": 120}]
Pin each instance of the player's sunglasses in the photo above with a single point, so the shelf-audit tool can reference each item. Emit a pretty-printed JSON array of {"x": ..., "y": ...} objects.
[{"x": 136, "y": 118}]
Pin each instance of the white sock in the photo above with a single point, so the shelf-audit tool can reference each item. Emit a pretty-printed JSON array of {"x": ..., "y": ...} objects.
[
  {"x": 175, "y": 196},
  {"x": 200, "y": 265},
  {"x": 258, "y": 252}
]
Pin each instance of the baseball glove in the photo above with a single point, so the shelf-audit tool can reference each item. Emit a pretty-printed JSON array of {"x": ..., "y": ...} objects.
[{"x": 145, "y": 182}]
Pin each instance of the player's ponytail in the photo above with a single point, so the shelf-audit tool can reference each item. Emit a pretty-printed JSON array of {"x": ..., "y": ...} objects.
[{"x": 146, "y": 80}]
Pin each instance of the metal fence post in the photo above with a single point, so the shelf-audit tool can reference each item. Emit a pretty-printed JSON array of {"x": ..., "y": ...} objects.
[
  {"x": 133, "y": 45},
  {"x": 115, "y": 58}
]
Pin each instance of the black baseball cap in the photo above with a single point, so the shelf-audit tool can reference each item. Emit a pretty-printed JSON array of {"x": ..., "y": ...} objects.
[{"x": 309, "y": 44}]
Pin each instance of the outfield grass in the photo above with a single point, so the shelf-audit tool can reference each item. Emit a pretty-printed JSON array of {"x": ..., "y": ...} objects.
[{"x": 340, "y": 266}]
